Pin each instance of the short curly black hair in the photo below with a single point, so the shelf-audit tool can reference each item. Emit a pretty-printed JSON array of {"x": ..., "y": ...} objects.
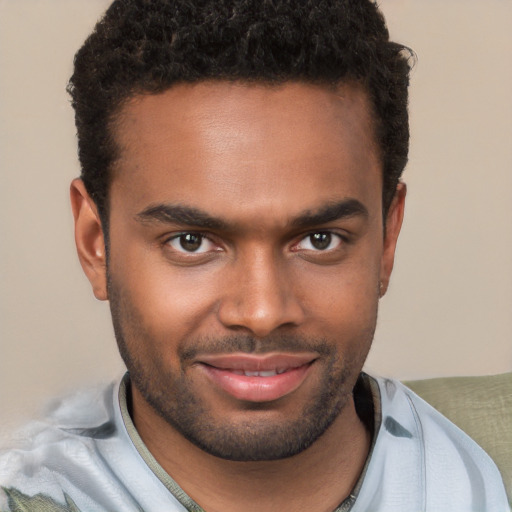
[{"x": 146, "y": 46}]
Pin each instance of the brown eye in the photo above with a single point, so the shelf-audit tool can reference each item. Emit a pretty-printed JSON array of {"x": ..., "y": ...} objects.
[
  {"x": 191, "y": 243},
  {"x": 320, "y": 241}
]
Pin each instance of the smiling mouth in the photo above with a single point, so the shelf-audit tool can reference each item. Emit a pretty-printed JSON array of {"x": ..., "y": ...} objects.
[
  {"x": 257, "y": 378},
  {"x": 263, "y": 373}
]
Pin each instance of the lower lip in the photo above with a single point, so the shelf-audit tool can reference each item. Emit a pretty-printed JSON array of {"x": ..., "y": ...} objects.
[{"x": 257, "y": 389}]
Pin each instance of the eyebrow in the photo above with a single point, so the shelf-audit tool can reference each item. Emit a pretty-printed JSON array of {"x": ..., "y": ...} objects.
[
  {"x": 332, "y": 211},
  {"x": 190, "y": 216},
  {"x": 180, "y": 214}
]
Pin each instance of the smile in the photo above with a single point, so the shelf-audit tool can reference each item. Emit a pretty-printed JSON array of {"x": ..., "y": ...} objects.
[
  {"x": 255, "y": 378},
  {"x": 267, "y": 373}
]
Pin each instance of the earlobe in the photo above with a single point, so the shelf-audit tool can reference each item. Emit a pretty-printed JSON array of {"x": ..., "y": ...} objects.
[
  {"x": 89, "y": 238},
  {"x": 394, "y": 220}
]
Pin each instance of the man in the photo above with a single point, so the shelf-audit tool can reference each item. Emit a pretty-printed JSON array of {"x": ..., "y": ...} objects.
[{"x": 239, "y": 208}]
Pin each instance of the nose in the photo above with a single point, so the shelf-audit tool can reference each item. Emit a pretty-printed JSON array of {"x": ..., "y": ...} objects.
[{"x": 260, "y": 296}]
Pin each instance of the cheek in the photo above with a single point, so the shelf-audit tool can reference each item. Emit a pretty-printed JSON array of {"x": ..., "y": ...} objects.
[
  {"x": 346, "y": 293},
  {"x": 171, "y": 303}
]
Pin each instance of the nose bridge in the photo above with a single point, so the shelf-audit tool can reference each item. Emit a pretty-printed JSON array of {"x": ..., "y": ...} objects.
[{"x": 260, "y": 296}]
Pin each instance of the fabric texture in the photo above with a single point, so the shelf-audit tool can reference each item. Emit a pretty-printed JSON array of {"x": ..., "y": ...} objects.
[
  {"x": 87, "y": 457},
  {"x": 482, "y": 407}
]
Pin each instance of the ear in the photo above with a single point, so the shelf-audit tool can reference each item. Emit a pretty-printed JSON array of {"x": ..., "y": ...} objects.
[
  {"x": 89, "y": 239},
  {"x": 394, "y": 220}
]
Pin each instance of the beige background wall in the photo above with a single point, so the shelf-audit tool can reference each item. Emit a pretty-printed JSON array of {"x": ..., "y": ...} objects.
[{"x": 449, "y": 309}]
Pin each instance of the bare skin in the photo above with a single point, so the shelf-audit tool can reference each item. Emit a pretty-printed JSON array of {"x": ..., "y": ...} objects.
[{"x": 256, "y": 212}]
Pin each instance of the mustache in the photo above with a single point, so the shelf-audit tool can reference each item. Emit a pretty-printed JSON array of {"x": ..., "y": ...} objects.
[{"x": 250, "y": 345}]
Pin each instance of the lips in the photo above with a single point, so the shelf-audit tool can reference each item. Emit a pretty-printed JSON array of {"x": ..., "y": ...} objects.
[{"x": 257, "y": 378}]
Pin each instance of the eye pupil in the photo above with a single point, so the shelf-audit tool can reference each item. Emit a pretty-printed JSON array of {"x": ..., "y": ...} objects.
[
  {"x": 320, "y": 241},
  {"x": 191, "y": 242}
]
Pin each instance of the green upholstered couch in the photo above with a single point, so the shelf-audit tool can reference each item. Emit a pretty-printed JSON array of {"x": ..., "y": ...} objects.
[{"x": 482, "y": 407}]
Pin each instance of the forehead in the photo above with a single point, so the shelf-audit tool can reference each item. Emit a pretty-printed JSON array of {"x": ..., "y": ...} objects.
[{"x": 216, "y": 144}]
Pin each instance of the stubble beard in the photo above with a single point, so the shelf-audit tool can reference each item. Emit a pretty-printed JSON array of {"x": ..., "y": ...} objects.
[{"x": 255, "y": 438}]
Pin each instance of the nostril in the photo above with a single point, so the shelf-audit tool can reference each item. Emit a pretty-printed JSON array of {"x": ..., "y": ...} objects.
[{"x": 260, "y": 319}]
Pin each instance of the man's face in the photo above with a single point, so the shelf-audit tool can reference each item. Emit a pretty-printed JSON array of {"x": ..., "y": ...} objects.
[{"x": 246, "y": 252}]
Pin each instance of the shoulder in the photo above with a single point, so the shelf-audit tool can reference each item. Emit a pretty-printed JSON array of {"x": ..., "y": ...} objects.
[
  {"x": 445, "y": 462},
  {"x": 44, "y": 457},
  {"x": 81, "y": 458}
]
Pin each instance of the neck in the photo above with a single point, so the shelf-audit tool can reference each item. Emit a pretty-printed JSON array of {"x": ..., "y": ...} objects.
[{"x": 317, "y": 479}]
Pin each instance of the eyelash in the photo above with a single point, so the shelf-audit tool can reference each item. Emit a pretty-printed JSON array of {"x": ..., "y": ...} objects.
[
  {"x": 177, "y": 238},
  {"x": 331, "y": 236},
  {"x": 307, "y": 237}
]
